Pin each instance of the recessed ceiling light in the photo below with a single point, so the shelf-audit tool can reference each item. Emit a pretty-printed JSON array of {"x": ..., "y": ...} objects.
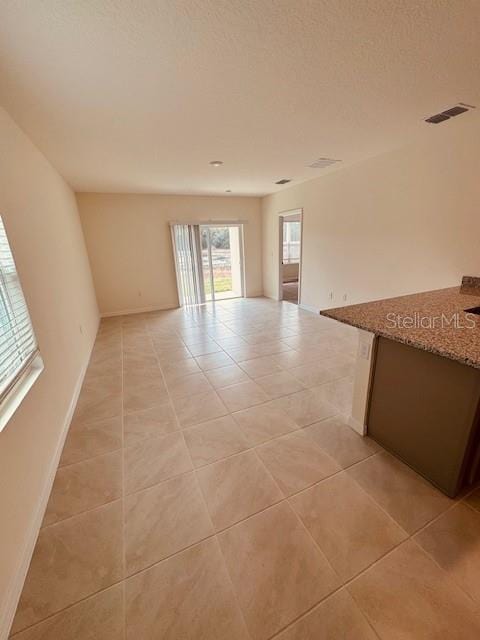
[{"x": 216, "y": 163}]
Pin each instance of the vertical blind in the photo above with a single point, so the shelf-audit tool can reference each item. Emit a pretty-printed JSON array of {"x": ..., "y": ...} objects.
[
  {"x": 187, "y": 249},
  {"x": 18, "y": 346}
]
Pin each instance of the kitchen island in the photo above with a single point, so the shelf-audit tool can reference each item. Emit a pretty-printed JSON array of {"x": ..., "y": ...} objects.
[{"x": 422, "y": 399}]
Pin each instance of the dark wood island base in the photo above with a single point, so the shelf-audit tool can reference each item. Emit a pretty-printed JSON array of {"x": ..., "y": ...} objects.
[{"x": 425, "y": 409}]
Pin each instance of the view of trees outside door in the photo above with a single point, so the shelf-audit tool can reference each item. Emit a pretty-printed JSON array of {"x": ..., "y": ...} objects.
[{"x": 221, "y": 262}]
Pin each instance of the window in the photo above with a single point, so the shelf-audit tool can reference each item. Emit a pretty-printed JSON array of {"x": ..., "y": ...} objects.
[
  {"x": 20, "y": 362},
  {"x": 291, "y": 242}
]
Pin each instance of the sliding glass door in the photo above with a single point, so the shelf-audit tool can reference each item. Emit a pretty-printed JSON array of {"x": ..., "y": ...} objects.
[{"x": 209, "y": 262}]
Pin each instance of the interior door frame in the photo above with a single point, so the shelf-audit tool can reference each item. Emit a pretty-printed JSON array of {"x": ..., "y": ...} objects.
[{"x": 281, "y": 216}]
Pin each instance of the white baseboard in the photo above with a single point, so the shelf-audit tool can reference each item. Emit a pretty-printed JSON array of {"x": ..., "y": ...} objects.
[
  {"x": 357, "y": 425},
  {"x": 307, "y": 307},
  {"x": 127, "y": 312},
  {"x": 11, "y": 602}
]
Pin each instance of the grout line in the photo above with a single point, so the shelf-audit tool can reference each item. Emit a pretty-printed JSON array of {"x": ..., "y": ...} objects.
[{"x": 124, "y": 550}]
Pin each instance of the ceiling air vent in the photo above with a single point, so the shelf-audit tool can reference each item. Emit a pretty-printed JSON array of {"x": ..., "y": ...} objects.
[
  {"x": 283, "y": 181},
  {"x": 449, "y": 113},
  {"x": 322, "y": 163}
]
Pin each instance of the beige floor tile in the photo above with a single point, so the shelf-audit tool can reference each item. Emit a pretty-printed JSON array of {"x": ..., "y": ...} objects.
[
  {"x": 155, "y": 460},
  {"x": 84, "y": 485},
  {"x": 263, "y": 336},
  {"x": 142, "y": 425},
  {"x": 258, "y": 367},
  {"x": 144, "y": 389},
  {"x": 406, "y": 595},
  {"x": 168, "y": 357},
  {"x": 87, "y": 440},
  {"x": 310, "y": 340},
  {"x": 281, "y": 575},
  {"x": 203, "y": 348},
  {"x": 306, "y": 407},
  {"x": 214, "y": 361},
  {"x": 163, "y": 520},
  {"x": 213, "y": 440},
  {"x": 277, "y": 571},
  {"x": 408, "y": 498},
  {"x": 338, "y": 393},
  {"x": 105, "y": 360},
  {"x": 313, "y": 374},
  {"x": 180, "y": 368},
  {"x": 242, "y": 395},
  {"x": 72, "y": 560},
  {"x": 134, "y": 361},
  {"x": 453, "y": 541},
  {"x": 230, "y": 341},
  {"x": 349, "y": 527},
  {"x": 280, "y": 384},
  {"x": 293, "y": 358},
  {"x": 187, "y": 597},
  {"x": 194, "y": 335},
  {"x": 226, "y": 376},
  {"x": 136, "y": 341},
  {"x": 166, "y": 343},
  {"x": 296, "y": 462},
  {"x": 100, "y": 616},
  {"x": 242, "y": 353},
  {"x": 263, "y": 422},
  {"x": 188, "y": 385},
  {"x": 199, "y": 408},
  {"x": 100, "y": 398},
  {"x": 341, "y": 442},
  {"x": 473, "y": 499},
  {"x": 337, "y": 618},
  {"x": 271, "y": 348},
  {"x": 236, "y": 488}
]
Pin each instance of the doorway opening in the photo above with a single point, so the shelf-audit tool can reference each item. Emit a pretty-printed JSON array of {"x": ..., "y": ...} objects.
[
  {"x": 290, "y": 255},
  {"x": 208, "y": 262}
]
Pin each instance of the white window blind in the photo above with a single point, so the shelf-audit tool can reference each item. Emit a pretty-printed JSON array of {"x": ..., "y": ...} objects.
[{"x": 18, "y": 346}]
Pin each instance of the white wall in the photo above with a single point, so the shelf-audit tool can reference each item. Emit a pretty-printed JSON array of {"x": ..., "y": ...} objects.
[
  {"x": 398, "y": 223},
  {"x": 130, "y": 249},
  {"x": 43, "y": 226}
]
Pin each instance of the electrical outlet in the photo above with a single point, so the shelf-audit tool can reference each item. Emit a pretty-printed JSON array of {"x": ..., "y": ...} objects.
[
  {"x": 330, "y": 295},
  {"x": 344, "y": 297}
]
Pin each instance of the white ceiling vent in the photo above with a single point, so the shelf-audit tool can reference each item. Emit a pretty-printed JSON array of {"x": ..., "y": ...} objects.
[{"x": 322, "y": 163}]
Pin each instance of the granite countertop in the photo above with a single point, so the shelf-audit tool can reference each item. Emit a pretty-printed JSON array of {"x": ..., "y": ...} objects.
[{"x": 434, "y": 321}]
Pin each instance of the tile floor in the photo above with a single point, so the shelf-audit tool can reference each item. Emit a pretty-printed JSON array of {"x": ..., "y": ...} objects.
[
  {"x": 210, "y": 489},
  {"x": 290, "y": 292}
]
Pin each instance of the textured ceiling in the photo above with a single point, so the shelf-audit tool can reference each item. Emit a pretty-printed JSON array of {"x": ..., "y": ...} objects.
[{"x": 140, "y": 96}]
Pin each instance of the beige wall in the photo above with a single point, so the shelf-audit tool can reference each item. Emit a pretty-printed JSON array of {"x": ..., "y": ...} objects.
[
  {"x": 130, "y": 249},
  {"x": 44, "y": 230},
  {"x": 401, "y": 222}
]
